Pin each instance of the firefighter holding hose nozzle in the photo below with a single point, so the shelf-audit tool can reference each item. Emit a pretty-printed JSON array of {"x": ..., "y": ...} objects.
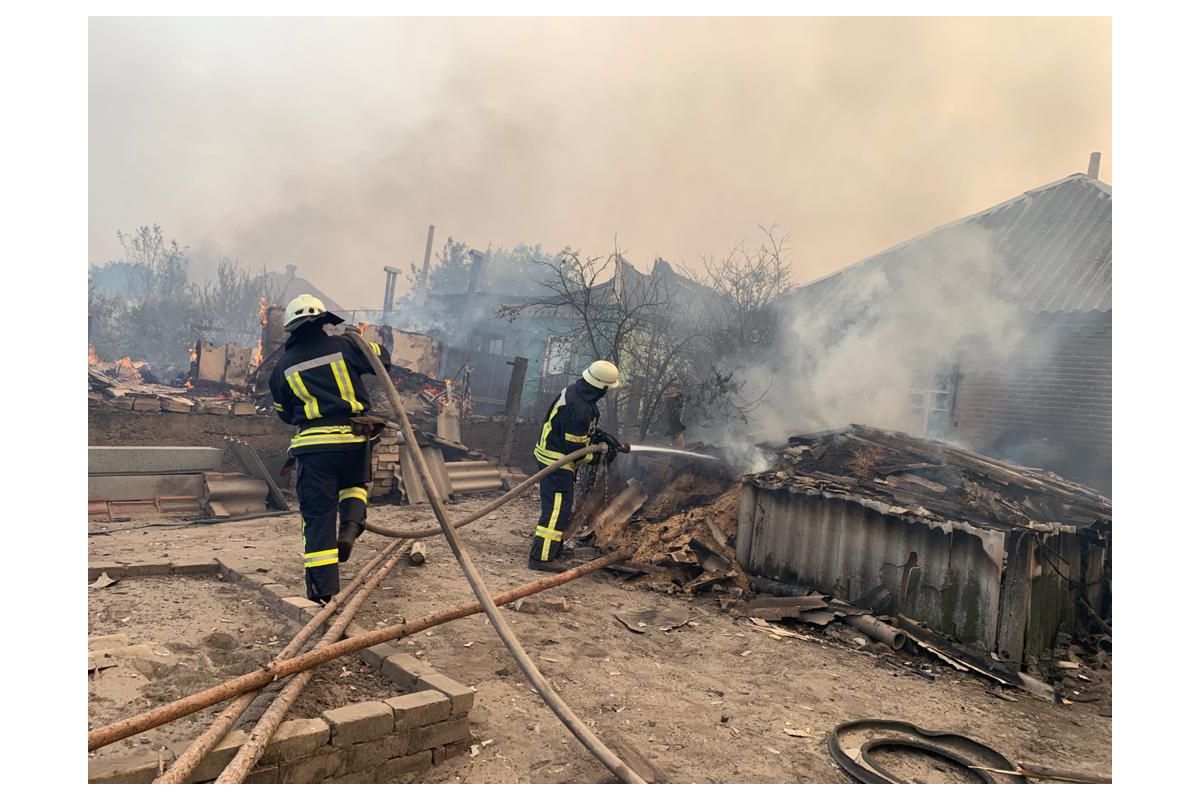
[{"x": 571, "y": 423}]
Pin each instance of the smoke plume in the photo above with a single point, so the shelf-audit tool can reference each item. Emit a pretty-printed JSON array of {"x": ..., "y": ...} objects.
[{"x": 333, "y": 144}]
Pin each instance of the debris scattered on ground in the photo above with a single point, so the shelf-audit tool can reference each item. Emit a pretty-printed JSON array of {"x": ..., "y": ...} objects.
[{"x": 104, "y": 581}]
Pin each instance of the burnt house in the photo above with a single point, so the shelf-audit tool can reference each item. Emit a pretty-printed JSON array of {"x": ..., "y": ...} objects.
[
  {"x": 1001, "y": 557},
  {"x": 1042, "y": 263}
]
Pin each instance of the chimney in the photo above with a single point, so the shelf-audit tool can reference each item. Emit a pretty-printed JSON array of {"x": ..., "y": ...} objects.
[
  {"x": 1094, "y": 166},
  {"x": 476, "y": 269}
]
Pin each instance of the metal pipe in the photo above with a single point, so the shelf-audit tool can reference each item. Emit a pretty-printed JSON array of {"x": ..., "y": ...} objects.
[
  {"x": 260, "y": 736},
  {"x": 190, "y": 758},
  {"x": 140, "y": 723},
  {"x": 568, "y": 717},
  {"x": 877, "y": 630}
]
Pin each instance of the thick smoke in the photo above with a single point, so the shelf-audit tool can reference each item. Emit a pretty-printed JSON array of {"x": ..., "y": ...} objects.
[
  {"x": 333, "y": 144},
  {"x": 855, "y": 354}
]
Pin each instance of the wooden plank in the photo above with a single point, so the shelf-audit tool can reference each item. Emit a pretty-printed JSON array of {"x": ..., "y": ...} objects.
[{"x": 1014, "y": 601}]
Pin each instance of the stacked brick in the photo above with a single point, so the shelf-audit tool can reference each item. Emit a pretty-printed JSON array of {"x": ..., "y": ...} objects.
[
  {"x": 370, "y": 742},
  {"x": 385, "y": 455}
]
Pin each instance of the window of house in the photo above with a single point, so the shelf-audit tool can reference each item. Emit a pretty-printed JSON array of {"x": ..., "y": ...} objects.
[
  {"x": 558, "y": 356},
  {"x": 931, "y": 404}
]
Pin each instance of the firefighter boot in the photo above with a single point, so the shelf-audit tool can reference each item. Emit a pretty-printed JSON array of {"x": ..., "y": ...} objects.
[{"x": 348, "y": 533}]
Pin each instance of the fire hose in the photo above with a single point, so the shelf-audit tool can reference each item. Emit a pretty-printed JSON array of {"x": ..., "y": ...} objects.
[
  {"x": 512, "y": 494},
  {"x": 276, "y": 670},
  {"x": 568, "y": 717},
  {"x": 190, "y": 758},
  {"x": 279, "y": 669},
  {"x": 250, "y": 753}
]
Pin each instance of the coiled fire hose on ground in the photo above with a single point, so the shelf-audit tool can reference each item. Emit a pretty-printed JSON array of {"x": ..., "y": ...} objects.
[{"x": 573, "y": 723}]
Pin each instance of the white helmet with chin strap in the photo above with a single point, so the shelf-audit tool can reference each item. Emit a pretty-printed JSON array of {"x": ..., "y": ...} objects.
[
  {"x": 602, "y": 375},
  {"x": 306, "y": 308}
]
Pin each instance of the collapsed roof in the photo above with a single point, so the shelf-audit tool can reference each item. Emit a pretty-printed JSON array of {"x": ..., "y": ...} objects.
[{"x": 934, "y": 483}]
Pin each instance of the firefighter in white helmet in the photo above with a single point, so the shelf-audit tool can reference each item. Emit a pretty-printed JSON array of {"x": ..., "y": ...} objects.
[
  {"x": 571, "y": 423},
  {"x": 318, "y": 387}
]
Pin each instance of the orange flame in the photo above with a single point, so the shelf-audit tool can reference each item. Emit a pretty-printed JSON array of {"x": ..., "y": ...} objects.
[{"x": 93, "y": 359}]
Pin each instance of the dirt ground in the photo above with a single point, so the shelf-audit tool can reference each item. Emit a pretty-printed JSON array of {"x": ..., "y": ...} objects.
[{"x": 705, "y": 702}]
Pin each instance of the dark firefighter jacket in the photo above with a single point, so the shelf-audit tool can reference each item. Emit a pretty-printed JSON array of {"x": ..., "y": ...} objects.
[
  {"x": 317, "y": 386},
  {"x": 571, "y": 423}
]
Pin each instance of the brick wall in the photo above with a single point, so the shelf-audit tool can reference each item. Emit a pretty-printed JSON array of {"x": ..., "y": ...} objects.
[
  {"x": 385, "y": 455},
  {"x": 370, "y": 742},
  {"x": 1049, "y": 406}
]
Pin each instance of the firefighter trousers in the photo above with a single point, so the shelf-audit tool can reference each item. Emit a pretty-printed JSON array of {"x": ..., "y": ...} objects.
[
  {"x": 329, "y": 484},
  {"x": 557, "y": 491}
]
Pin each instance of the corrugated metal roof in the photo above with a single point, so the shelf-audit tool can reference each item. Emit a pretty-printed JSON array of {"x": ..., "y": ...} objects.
[{"x": 1054, "y": 246}]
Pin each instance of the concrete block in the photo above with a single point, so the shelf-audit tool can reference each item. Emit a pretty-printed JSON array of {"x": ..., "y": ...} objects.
[
  {"x": 365, "y": 776},
  {"x": 145, "y": 570},
  {"x": 439, "y": 733},
  {"x": 375, "y": 656},
  {"x": 144, "y": 487},
  {"x": 404, "y": 670},
  {"x": 275, "y": 592},
  {"x": 462, "y": 698},
  {"x": 96, "y": 569},
  {"x": 314, "y": 769},
  {"x": 452, "y": 750},
  {"x": 255, "y": 579},
  {"x": 219, "y": 757},
  {"x": 209, "y": 567},
  {"x": 296, "y": 739},
  {"x": 147, "y": 460},
  {"x": 263, "y": 775},
  {"x": 136, "y": 768},
  {"x": 229, "y": 572},
  {"x": 419, "y": 709},
  {"x": 297, "y": 607},
  {"x": 395, "y": 767},
  {"x": 369, "y": 755},
  {"x": 359, "y": 722}
]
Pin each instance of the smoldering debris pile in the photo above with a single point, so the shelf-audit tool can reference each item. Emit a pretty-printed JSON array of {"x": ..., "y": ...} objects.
[{"x": 682, "y": 538}]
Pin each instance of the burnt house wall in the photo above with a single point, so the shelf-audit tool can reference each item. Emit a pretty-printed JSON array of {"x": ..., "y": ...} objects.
[{"x": 1048, "y": 406}]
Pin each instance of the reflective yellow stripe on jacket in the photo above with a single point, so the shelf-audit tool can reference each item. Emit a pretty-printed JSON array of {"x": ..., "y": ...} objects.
[
  {"x": 311, "y": 409},
  {"x": 325, "y": 434},
  {"x": 547, "y": 456}
]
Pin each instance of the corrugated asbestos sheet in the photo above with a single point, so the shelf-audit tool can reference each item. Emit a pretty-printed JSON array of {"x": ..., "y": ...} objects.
[
  {"x": 1054, "y": 244},
  {"x": 946, "y": 580},
  {"x": 846, "y": 511}
]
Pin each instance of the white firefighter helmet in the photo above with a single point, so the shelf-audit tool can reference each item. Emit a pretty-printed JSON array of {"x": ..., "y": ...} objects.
[
  {"x": 305, "y": 308},
  {"x": 602, "y": 375}
]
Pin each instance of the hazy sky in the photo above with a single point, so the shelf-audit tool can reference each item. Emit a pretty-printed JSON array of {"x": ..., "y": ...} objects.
[{"x": 333, "y": 144}]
